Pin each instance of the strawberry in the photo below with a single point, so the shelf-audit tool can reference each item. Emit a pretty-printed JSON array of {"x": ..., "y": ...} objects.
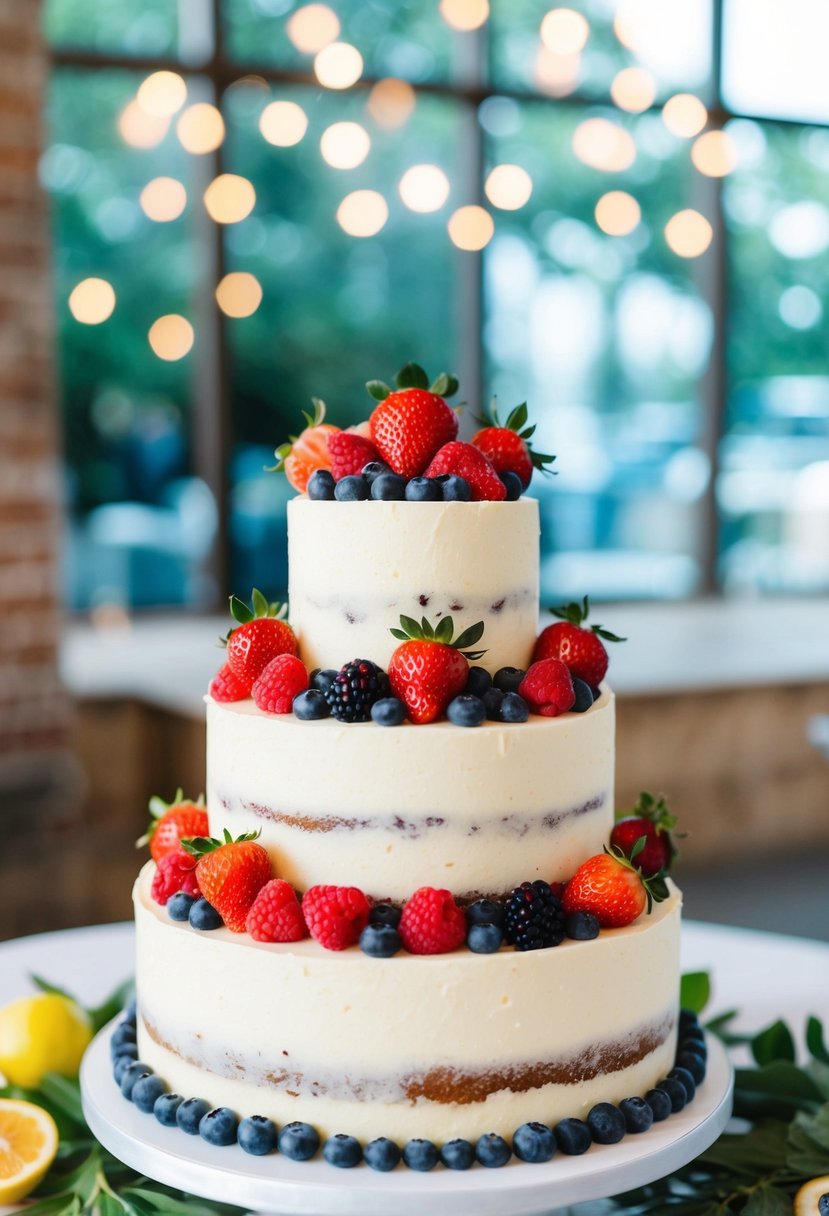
[
  {"x": 508, "y": 447},
  {"x": 171, "y": 821},
  {"x": 548, "y": 688},
  {"x": 611, "y": 887},
  {"x": 303, "y": 454},
  {"x": 230, "y": 873},
  {"x": 429, "y": 669},
  {"x": 652, "y": 820},
  {"x": 175, "y": 871},
  {"x": 225, "y": 686},
  {"x": 432, "y": 923},
  {"x": 284, "y": 678},
  {"x": 468, "y": 462},
  {"x": 350, "y": 451},
  {"x": 412, "y": 421},
  {"x": 275, "y": 914},
  {"x": 262, "y": 634},
  {"x": 335, "y": 916},
  {"x": 579, "y": 648}
]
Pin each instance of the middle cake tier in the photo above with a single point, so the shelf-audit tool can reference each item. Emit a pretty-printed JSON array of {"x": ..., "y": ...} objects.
[{"x": 475, "y": 811}]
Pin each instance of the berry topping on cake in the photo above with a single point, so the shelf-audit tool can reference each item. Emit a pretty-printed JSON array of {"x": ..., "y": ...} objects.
[
  {"x": 275, "y": 914},
  {"x": 652, "y": 820},
  {"x": 171, "y": 821},
  {"x": 310, "y": 705},
  {"x": 225, "y": 686},
  {"x": 350, "y": 452},
  {"x": 261, "y": 635},
  {"x": 611, "y": 887},
  {"x": 429, "y": 669},
  {"x": 354, "y": 690},
  {"x": 548, "y": 688},
  {"x": 412, "y": 421},
  {"x": 432, "y": 923},
  {"x": 466, "y": 711},
  {"x": 424, "y": 489},
  {"x": 473, "y": 466},
  {"x": 230, "y": 873},
  {"x": 284, "y": 678},
  {"x": 580, "y": 648},
  {"x": 533, "y": 917},
  {"x": 335, "y": 916},
  {"x": 175, "y": 871},
  {"x": 302, "y": 455},
  {"x": 508, "y": 447},
  {"x": 353, "y": 488},
  {"x": 388, "y": 711},
  {"x": 321, "y": 486}
]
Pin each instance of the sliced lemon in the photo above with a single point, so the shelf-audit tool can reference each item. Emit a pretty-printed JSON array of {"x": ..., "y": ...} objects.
[
  {"x": 40, "y": 1034},
  {"x": 28, "y": 1144},
  {"x": 807, "y": 1201}
]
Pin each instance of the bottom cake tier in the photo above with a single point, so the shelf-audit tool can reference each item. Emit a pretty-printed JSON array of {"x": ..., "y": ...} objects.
[{"x": 442, "y": 1046}]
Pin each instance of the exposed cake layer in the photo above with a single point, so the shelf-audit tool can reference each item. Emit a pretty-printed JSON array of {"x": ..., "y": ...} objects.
[
  {"x": 441, "y": 1046},
  {"x": 355, "y": 567},
  {"x": 390, "y": 810}
]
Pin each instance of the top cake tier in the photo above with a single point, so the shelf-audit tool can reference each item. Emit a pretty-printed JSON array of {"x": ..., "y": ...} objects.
[{"x": 355, "y": 567}]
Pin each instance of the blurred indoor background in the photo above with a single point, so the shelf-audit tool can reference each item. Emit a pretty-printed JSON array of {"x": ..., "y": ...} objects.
[{"x": 213, "y": 210}]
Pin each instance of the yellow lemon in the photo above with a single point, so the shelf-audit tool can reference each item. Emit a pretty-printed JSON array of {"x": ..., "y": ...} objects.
[
  {"x": 40, "y": 1034},
  {"x": 807, "y": 1201},
  {"x": 28, "y": 1143}
]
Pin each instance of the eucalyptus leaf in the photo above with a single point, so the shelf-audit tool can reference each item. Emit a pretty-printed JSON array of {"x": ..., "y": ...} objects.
[
  {"x": 695, "y": 990},
  {"x": 778, "y": 1090},
  {"x": 57, "y": 1205},
  {"x": 45, "y": 986},
  {"x": 776, "y": 1042},
  {"x": 114, "y": 1003},
  {"x": 759, "y": 1150},
  {"x": 806, "y": 1156},
  {"x": 768, "y": 1201},
  {"x": 64, "y": 1094},
  {"x": 814, "y": 1040}
]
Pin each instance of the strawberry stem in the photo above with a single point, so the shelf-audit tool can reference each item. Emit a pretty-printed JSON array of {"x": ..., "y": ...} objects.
[
  {"x": 577, "y": 614},
  {"x": 443, "y": 634},
  {"x": 200, "y": 846}
]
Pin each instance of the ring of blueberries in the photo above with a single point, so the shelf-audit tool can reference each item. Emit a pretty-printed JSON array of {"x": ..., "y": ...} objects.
[
  {"x": 533, "y": 1143},
  {"x": 378, "y": 482}
]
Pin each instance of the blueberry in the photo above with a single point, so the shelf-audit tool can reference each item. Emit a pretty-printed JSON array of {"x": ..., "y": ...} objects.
[
  {"x": 584, "y": 697},
  {"x": 694, "y": 1063},
  {"x": 122, "y": 1063},
  {"x": 219, "y": 1126},
  {"x": 581, "y": 926},
  {"x": 382, "y": 1155},
  {"x": 257, "y": 1136},
  {"x": 676, "y": 1092},
  {"x": 353, "y": 488},
  {"x": 298, "y": 1141},
  {"x": 380, "y": 941},
  {"x": 385, "y": 914},
  {"x": 823, "y": 1205},
  {"x": 508, "y": 678},
  {"x": 660, "y": 1104},
  {"x": 322, "y": 678},
  {"x": 130, "y": 1075},
  {"x": 190, "y": 1114},
  {"x": 638, "y": 1115},
  {"x": 484, "y": 939},
  {"x": 687, "y": 1019},
  {"x": 179, "y": 905},
  {"x": 466, "y": 711},
  {"x": 342, "y": 1151},
  {"x": 145, "y": 1092},
  {"x": 457, "y": 1155},
  {"x": 204, "y": 916},
  {"x": 606, "y": 1123},
  {"x": 485, "y": 912},
  {"x": 373, "y": 470},
  {"x": 166, "y": 1108},
  {"x": 492, "y": 1151},
  {"x": 513, "y": 708},
  {"x": 513, "y": 485},
  {"x": 424, "y": 489},
  {"x": 477, "y": 682},
  {"x": 388, "y": 487},
  {"x": 310, "y": 706},
  {"x": 534, "y": 1142},
  {"x": 492, "y": 699},
  {"x": 420, "y": 1155},
  {"x": 321, "y": 486},
  {"x": 685, "y": 1079},
  {"x": 694, "y": 1040},
  {"x": 573, "y": 1137},
  {"x": 388, "y": 711},
  {"x": 130, "y": 1011},
  {"x": 456, "y": 489},
  {"x": 123, "y": 1037}
]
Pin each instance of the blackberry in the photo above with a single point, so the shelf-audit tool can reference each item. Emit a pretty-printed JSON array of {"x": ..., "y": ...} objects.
[
  {"x": 354, "y": 690},
  {"x": 533, "y": 917}
]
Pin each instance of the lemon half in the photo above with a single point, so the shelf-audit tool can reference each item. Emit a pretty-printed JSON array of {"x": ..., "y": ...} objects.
[
  {"x": 40, "y": 1034},
  {"x": 807, "y": 1201},
  {"x": 28, "y": 1144}
]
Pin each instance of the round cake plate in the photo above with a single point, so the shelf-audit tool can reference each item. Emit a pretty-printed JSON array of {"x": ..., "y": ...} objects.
[{"x": 276, "y": 1185}]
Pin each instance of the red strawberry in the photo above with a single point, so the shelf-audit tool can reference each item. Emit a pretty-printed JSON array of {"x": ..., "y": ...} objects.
[
  {"x": 508, "y": 447},
  {"x": 652, "y": 820},
  {"x": 275, "y": 915},
  {"x": 579, "y": 648},
  {"x": 231, "y": 873},
  {"x": 429, "y": 669},
  {"x": 413, "y": 421},
  {"x": 611, "y": 887},
  {"x": 279, "y": 683},
  {"x": 349, "y": 453},
  {"x": 432, "y": 923},
  {"x": 259, "y": 638},
  {"x": 225, "y": 686},
  {"x": 302, "y": 455},
  {"x": 335, "y": 916},
  {"x": 474, "y": 466},
  {"x": 548, "y": 688},
  {"x": 174, "y": 872},
  {"x": 171, "y": 821}
]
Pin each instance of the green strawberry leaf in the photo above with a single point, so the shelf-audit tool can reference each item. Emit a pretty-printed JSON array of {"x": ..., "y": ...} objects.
[
  {"x": 240, "y": 611},
  {"x": 444, "y": 631},
  {"x": 400, "y": 635},
  {"x": 694, "y": 991},
  {"x": 378, "y": 390},
  {"x": 470, "y": 636},
  {"x": 261, "y": 607},
  {"x": 412, "y": 375},
  {"x": 412, "y": 630},
  {"x": 445, "y": 385}
]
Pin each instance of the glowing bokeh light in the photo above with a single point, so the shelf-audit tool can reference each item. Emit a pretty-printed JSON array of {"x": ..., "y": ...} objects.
[
  {"x": 424, "y": 188},
  {"x": 633, "y": 89},
  {"x": 229, "y": 198},
  {"x": 283, "y": 123},
  {"x": 344, "y": 145},
  {"x": 508, "y": 187},
  {"x": 338, "y": 65},
  {"x": 140, "y": 129},
  {"x": 391, "y": 102},
  {"x": 471, "y": 228},
  {"x": 92, "y": 301},
  {"x": 239, "y": 294},
  {"x": 163, "y": 199},
  {"x": 617, "y": 213},
  {"x": 714, "y": 154},
  {"x": 464, "y": 14},
  {"x": 313, "y": 27},
  {"x": 564, "y": 31},
  {"x": 688, "y": 233},
  {"x": 162, "y": 93},
  {"x": 171, "y": 337},
  {"x": 200, "y": 128},
  {"x": 362, "y": 213},
  {"x": 603, "y": 145},
  {"x": 684, "y": 115},
  {"x": 556, "y": 74}
]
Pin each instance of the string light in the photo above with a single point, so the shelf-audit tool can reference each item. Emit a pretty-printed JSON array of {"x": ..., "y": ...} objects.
[
  {"x": 391, "y": 102},
  {"x": 688, "y": 233},
  {"x": 684, "y": 115},
  {"x": 162, "y": 93},
  {"x": 633, "y": 89},
  {"x": 556, "y": 74},
  {"x": 200, "y": 128},
  {"x": 464, "y": 14},
  {"x": 617, "y": 213},
  {"x": 508, "y": 187},
  {"x": 714, "y": 154},
  {"x": 603, "y": 145},
  {"x": 313, "y": 27},
  {"x": 239, "y": 294},
  {"x": 163, "y": 199},
  {"x": 362, "y": 213},
  {"x": 471, "y": 228},
  {"x": 92, "y": 301},
  {"x": 338, "y": 65},
  {"x": 171, "y": 337},
  {"x": 628, "y": 22},
  {"x": 229, "y": 198},
  {"x": 424, "y": 188},
  {"x": 283, "y": 123},
  {"x": 344, "y": 145},
  {"x": 140, "y": 129},
  {"x": 564, "y": 31}
]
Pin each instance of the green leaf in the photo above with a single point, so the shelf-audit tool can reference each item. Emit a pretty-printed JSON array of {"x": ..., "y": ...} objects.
[
  {"x": 64, "y": 1094},
  {"x": 808, "y": 1153},
  {"x": 470, "y": 636},
  {"x": 814, "y": 1040},
  {"x": 399, "y": 634},
  {"x": 45, "y": 986},
  {"x": 755, "y": 1152},
  {"x": 412, "y": 375},
  {"x": 112, "y": 1006},
  {"x": 445, "y": 385},
  {"x": 411, "y": 627},
  {"x": 517, "y": 417},
  {"x": 444, "y": 631},
  {"x": 773, "y": 1043},
  {"x": 56, "y": 1205},
  {"x": 261, "y": 607},
  {"x": 768, "y": 1201},
  {"x": 240, "y": 611},
  {"x": 778, "y": 1090},
  {"x": 378, "y": 390},
  {"x": 695, "y": 991},
  {"x": 166, "y": 1201}
]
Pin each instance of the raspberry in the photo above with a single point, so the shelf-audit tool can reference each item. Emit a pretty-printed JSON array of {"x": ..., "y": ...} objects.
[
  {"x": 175, "y": 871},
  {"x": 335, "y": 916},
  {"x": 227, "y": 686},
  {"x": 432, "y": 923},
  {"x": 276, "y": 915},
  {"x": 548, "y": 688},
  {"x": 283, "y": 679}
]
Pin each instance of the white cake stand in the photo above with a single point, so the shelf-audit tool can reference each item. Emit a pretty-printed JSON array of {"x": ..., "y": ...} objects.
[{"x": 276, "y": 1185}]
